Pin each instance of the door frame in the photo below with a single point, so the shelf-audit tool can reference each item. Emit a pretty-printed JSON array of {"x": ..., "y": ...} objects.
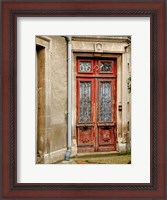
[
  {"x": 118, "y": 57},
  {"x": 44, "y": 42}
]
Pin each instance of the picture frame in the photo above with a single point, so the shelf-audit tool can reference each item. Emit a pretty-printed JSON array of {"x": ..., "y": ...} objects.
[{"x": 156, "y": 188}]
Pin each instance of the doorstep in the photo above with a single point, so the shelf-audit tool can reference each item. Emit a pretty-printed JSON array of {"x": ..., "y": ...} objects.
[{"x": 97, "y": 154}]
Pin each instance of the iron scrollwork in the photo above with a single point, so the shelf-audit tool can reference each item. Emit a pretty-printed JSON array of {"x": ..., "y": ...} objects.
[
  {"x": 85, "y": 66},
  {"x": 105, "y": 66},
  {"x": 85, "y": 101},
  {"x": 105, "y": 101}
]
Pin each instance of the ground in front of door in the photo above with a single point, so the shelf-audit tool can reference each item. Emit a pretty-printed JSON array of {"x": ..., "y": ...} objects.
[{"x": 105, "y": 159}]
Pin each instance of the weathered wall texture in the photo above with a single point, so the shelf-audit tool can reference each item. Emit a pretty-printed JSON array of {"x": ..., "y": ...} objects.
[
  {"x": 42, "y": 91},
  {"x": 58, "y": 137}
]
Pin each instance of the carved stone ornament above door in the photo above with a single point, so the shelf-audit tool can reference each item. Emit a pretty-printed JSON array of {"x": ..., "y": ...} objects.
[{"x": 98, "y": 47}]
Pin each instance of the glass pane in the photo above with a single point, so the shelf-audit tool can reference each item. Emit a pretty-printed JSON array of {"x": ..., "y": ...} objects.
[
  {"x": 105, "y": 66},
  {"x": 105, "y": 101},
  {"x": 85, "y": 66},
  {"x": 85, "y": 101}
]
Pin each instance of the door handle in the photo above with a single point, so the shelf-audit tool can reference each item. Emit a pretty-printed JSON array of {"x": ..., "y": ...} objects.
[
  {"x": 107, "y": 125},
  {"x": 84, "y": 127}
]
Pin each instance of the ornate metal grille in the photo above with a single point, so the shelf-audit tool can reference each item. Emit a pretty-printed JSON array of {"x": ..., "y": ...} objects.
[
  {"x": 105, "y": 101},
  {"x": 105, "y": 66},
  {"x": 85, "y": 101},
  {"x": 85, "y": 66}
]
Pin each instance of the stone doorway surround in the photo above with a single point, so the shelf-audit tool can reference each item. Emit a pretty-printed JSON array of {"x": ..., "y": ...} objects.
[{"x": 118, "y": 48}]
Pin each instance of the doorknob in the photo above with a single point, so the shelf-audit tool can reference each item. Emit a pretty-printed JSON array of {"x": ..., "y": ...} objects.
[{"x": 96, "y": 67}]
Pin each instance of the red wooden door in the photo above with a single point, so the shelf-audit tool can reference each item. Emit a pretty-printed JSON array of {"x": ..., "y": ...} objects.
[{"x": 96, "y": 105}]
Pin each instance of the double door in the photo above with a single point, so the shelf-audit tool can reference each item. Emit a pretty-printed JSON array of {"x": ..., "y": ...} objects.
[{"x": 96, "y": 105}]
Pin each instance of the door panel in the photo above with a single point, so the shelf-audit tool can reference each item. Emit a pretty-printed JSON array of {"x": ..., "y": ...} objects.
[
  {"x": 106, "y": 119},
  {"x": 85, "y": 136},
  {"x": 85, "y": 66},
  {"x": 106, "y": 66},
  {"x": 85, "y": 96},
  {"x": 85, "y": 126},
  {"x": 105, "y": 98},
  {"x": 96, "y": 105},
  {"x": 85, "y": 90}
]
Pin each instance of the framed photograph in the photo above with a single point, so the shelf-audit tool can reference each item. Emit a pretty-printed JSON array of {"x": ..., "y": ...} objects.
[{"x": 83, "y": 100}]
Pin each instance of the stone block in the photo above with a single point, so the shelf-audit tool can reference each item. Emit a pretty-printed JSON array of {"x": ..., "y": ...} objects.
[{"x": 122, "y": 148}]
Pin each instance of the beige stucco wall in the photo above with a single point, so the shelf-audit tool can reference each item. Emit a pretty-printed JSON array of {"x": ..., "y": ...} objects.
[
  {"x": 58, "y": 136},
  {"x": 56, "y": 89}
]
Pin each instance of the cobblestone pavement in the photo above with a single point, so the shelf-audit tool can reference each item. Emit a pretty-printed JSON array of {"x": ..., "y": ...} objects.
[{"x": 109, "y": 159}]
